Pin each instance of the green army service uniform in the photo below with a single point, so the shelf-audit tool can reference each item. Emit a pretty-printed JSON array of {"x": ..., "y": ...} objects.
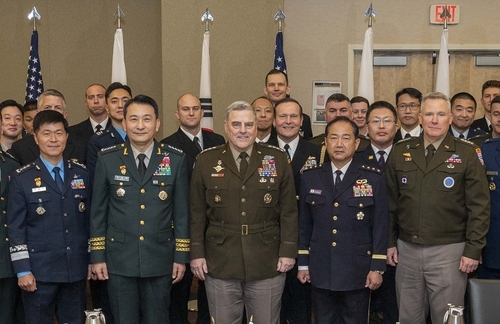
[
  {"x": 441, "y": 211},
  {"x": 249, "y": 222},
  {"x": 139, "y": 227}
]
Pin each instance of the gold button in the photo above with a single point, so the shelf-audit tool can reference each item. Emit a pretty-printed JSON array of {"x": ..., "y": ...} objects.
[
  {"x": 163, "y": 184},
  {"x": 312, "y": 203},
  {"x": 334, "y": 218},
  {"x": 142, "y": 222},
  {"x": 334, "y": 231},
  {"x": 297, "y": 197},
  {"x": 360, "y": 205},
  {"x": 336, "y": 204},
  {"x": 112, "y": 239},
  {"x": 334, "y": 244},
  {"x": 414, "y": 236},
  {"x": 243, "y": 187},
  {"x": 7, "y": 239},
  {"x": 141, "y": 238},
  {"x": 143, "y": 207},
  {"x": 369, "y": 252},
  {"x": 4, "y": 225},
  {"x": 2, "y": 198},
  {"x": 143, "y": 190},
  {"x": 243, "y": 214},
  {"x": 121, "y": 183},
  {"x": 243, "y": 200}
]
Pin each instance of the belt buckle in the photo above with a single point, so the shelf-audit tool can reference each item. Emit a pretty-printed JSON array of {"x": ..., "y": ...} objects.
[{"x": 244, "y": 229}]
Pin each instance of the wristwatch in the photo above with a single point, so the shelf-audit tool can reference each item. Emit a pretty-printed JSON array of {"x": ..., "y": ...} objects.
[{"x": 379, "y": 272}]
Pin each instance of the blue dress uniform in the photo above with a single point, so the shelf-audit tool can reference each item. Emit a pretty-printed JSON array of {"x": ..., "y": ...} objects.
[
  {"x": 490, "y": 268},
  {"x": 343, "y": 234},
  {"x": 101, "y": 139},
  {"x": 48, "y": 235},
  {"x": 9, "y": 290},
  {"x": 140, "y": 228}
]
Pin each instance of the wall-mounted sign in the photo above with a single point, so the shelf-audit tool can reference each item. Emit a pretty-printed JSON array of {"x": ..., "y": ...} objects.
[{"x": 437, "y": 16}]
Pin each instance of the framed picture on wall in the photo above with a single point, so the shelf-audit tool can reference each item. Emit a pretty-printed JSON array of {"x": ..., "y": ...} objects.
[{"x": 321, "y": 91}]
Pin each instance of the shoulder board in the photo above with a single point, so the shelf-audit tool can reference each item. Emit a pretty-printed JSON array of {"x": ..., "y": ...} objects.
[
  {"x": 369, "y": 168},
  {"x": 272, "y": 147},
  {"x": 103, "y": 132},
  {"x": 309, "y": 168},
  {"x": 463, "y": 140},
  {"x": 26, "y": 168},
  {"x": 213, "y": 148},
  {"x": 404, "y": 140},
  {"x": 7, "y": 154},
  {"x": 75, "y": 162},
  {"x": 111, "y": 148},
  {"x": 171, "y": 148}
]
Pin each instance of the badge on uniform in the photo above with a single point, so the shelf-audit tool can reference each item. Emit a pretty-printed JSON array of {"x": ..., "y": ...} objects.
[
  {"x": 163, "y": 195},
  {"x": 219, "y": 167},
  {"x": 362, "y": 188},
  {"x": 407, "y": 156},
  {"x": 217, "y": 199},
  {"x": 448, "y": 182},
  {"x": 309, "y": 164},
  {"x": 38, "y": 181},
  {"x": 360, "y": 216},
  {"x": 267, "y": 198},
  {"x": 77, "y": 184},
  {"x": 164, "y": 167},
  {"x": 370, "y": 157},
  {"x": 40, "y": 210},
  {"x": 404, "y": 179},
  {"x": 81, "y": 207},
  {"x": 479, "y": 155},
  {"x": 123, "y": 169},
  {"x": 268, "y": 167},
  {"x": 315, "y": 191},
  {"x": 120, "y": 192}
]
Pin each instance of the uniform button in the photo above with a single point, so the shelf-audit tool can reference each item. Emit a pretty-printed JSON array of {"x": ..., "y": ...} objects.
[
  {"x": 243, "y": 187},
  {"x": 334, "y": 218},
  {"x": 336, "y": 204},
  {"x": 143, "y": 190},
  {"x": 62, "y": 197},
  {"x": 360, "y": 205},
  {"x": 67, "y": 231},
  {"x": 369, "y": 252},
  {"x": 143, "y": 206},
  {"x": 121, "y": 183},
  {"x": 141, "y": 238},
  {"x": 142, "y": 222},
  {"x": 243, "y": 200},
  {"x": 68, "y": 248},
  {"x": 297, "y": 197},
  {"x": 4, "y": 211},
  {"x": 334, "y": 231},
  {"x": 112, "y": 239},
  {"x": 2, "y": 198},
  {"x": 414, "y": 236},
  {"x": 243, "y": 214},
  {"x": 334, "y": 244},
  {"x": 65, "y": 215},
  {"x": 163, "y": 184},
  {"x": 7, "y": 239},
  {"x": 312, "y": 202},
  {"x": 4, "y": 225}
]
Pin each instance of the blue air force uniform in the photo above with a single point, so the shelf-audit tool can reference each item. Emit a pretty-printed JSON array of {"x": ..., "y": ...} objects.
[{"x": 48, "y": 235}]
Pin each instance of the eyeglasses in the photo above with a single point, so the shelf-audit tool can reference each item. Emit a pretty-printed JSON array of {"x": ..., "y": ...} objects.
[
  {"x": 385, "y": 121},
  {"x": 412, "y": 107}
]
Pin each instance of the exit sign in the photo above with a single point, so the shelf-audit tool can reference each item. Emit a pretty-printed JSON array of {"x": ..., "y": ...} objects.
[{"x": 437, "y": 10}]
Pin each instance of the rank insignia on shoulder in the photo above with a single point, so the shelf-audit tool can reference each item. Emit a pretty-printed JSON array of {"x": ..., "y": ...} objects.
[
  {"x": 105, "y": 149},
  {"x": 175, "y": 149},
  {"x": 26, "y": 167}
]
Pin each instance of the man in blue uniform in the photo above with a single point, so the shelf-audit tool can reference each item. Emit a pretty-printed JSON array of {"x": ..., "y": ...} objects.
[
  {"x": 343, "y": 227},
  {"x": 47, "y": 218},
  {"x": 139, "y": 226}
]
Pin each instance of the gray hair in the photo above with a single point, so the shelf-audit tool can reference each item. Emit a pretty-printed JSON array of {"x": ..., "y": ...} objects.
[
  {"x": 437, "y": 96},
  {"x": 51, "y": 92},
  {"x": 239, "y": 106}
]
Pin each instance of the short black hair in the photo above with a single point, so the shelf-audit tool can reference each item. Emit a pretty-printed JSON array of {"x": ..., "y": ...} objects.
[
  {"x": 114, "y": 86},
  {"x": 490, "y": 84},
  {"x": 141, "y": 100},
  {"x": 355, "y": 128},
  {"x": 10, "y": 103},
  {"x": 465, "y": 96},
  {"x": 412, "y": 92},
  {"x": 30, "y": 106},
  {"x": 285, "y": 100},
  {"x": 276, "y": 71},
  {"x": 357, "y": 99},
  {"x": 337, "y": 97},
  {"x": 379, "y": 105},
  {"x": 495, "y": 100},
  {"x": 49, "y": 117}
]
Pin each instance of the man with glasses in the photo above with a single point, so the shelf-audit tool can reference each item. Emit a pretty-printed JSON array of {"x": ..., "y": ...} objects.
[{"x": 408, "y": 106}]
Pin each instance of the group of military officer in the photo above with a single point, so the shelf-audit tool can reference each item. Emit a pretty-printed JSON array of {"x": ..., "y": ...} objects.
[{"x": 250, "y": 210}]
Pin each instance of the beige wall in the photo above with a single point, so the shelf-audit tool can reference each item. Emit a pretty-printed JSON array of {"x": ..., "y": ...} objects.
[{"x": 318, "y": 33}]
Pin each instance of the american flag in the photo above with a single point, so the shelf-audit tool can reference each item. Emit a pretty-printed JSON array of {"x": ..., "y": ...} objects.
[
  {"x": 279, "y": 56},
  {"x": 34, "y": 82}
]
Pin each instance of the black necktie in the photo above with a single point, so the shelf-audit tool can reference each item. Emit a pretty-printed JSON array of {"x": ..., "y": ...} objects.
[
  {"x": 430, "y": 153},
  {"x": 141, "y": 166},
  {"x": 98, "y": 128},
  {"x": 407, "y": 135},
  {"x": 287, "y": 147},
  {"x": 338, "y": 180},
  {"x": 461, "y": 136},
  {"x": 57, "y": 178},
  {"x": 196, "y": 141},
  {"x": 243, "y": 163},
  {"x": 381, "y": 159}
]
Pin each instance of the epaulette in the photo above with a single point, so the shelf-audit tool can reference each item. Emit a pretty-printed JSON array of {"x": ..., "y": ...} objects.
[
  {"x": 26, "y": 168},
  {"x": 369, "y": 168},
  {"x": 465, "y": 141},
  {"x": 489, "y": 140},
  {"x": 404, "y": 140},
  {"x": 111, "y": 148},
  {"x": 272, "y": 147},
  {"x": 313, "y": 167},
  {"x": 102, "y": 132},
  {"x": 7, "y": 154},
  {"x": 75, "y": 162},
  {"x": 171, "y": 148},
  {"x": 212, "y": 148}
]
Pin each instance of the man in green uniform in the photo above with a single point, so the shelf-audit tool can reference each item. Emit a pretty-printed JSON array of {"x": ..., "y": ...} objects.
[
  {"x": 139, "y": 225},
  {"x": 439, "y": 201},
  {"x": 243, "y": 222}
]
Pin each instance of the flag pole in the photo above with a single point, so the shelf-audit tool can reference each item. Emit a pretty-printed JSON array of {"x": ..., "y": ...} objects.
[
  {"x": 34, "y": 15},
  {"x": 118, "y": 68},
  {"x": 119, "y": 15},
  {"x": 207, "y": 18},
  {"x": 445, "y": 15},
  {"x": 280, "y": 17},
  {"x": 207, "y": 122},
  {"x": 366, "y": 87}
]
